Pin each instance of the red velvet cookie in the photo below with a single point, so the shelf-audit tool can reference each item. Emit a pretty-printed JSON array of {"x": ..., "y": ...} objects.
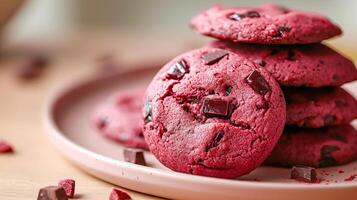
[
  {"x": 120, "y": 119},
  {"x": 323, "y": 147},
  {"x": 314, "y": 65},
  {"x": 213, "y": 113},
  {"x": 314, "y": 108},
  {"x": 266, "y": 24}
]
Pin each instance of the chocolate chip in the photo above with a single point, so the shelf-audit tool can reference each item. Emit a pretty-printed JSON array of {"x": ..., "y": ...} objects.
[
  {"x": 216, "y": 107},
  {"x": 253, "y": 14},
  {"x": 249, "y": 14},
  {"x": 134, "y": 156},
  {"x": 329, "y": 120},
  {"x": 178, "y": 70},
  {"x": 214, "y": 57},
  {"x": 284, "y": 10},
  {"x": 281, "y": 31},
  {"x": 262, "y": 63},
  {"x": 69, "y": 186},
  {"x": 291, "y": 55},
  {"x": 52, "y": 193},
  {"x": 117, "y": 194},
  {"x": 326, "y": 158},
  {"x": 304, "y": 174},
  {"x": 215, "y": 142},
  {"x": 147, "y": 112},
  {"x": 257, "y": 82},
  {"x": 228, "y": 90}
]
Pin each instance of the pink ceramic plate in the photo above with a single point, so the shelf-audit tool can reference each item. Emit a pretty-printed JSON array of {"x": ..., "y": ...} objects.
[{"x": 67, "y": 120}]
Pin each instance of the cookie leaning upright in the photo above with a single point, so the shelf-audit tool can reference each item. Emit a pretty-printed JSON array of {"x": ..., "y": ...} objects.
[
  {"x": 266, "y": 24},
  {"x": 213, "y": 113}
]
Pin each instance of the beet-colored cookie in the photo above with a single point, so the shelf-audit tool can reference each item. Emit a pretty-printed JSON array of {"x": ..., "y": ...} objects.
[
  {"x": 314, "y": 65},
  {"x": 119, "y": 119},
  {"x": 314, "y": 108},
  {"x": 323, "y": 147},
  {"x": 210, "y": 112},
  {"x": 266, "y": 24}
]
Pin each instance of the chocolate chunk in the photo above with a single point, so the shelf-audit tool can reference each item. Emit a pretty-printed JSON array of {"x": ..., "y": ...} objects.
[
  {"x": 69, "y": 186},
  {"x": 5, "y": 147},
  {"x": 326, "y": 158},
  {"x": 214, "y": 57},
  {"x": 281, "y": 31},
  {"x": 117, "y": 194},
  {"x": 134, "y": 156},
  {"x": 249, "y": 14},
  {"x": 304, "y": 174},
  {"x": 147, "y": 112},
  {"x": 178, "y": 70},
  {"x": 215, "y": 142},
  {"x": 52, "y": 193},
  {"x": 284, "y": 29},
  {"x": 257, "y": 82},
  {"x": 291, "y": 55},
  {"x": 262, "y": 63},
  {"x": 329, "y": 120},
  {"x": 228, "y": 90},
  {"x": 253, "y": 14},
  {"x": 216, "y": 107}
]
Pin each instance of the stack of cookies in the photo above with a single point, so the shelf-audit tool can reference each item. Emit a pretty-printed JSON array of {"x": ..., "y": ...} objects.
[
  {"x": 266, "y": 91},
  {"x": 287, "y": 44}
]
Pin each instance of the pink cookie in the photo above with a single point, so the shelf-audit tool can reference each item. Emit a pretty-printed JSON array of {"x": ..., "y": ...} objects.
[
  {"x": 314, "y": 108},
  {"x": 213, "y": 113},
  {"x": 314, "y": 65},
  {"x": 265, "y": 24},
  {"x": 315, "y": 147},
  {"x": 120, "y": 119}
]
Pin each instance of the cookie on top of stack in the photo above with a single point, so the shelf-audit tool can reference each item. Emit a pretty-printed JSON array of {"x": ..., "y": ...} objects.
[{"x": 287, "y": 44}]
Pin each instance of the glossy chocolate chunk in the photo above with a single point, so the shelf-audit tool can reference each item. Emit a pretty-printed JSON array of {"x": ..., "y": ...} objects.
[
  {"x": 178, "y": 70},
  {"x": 134, "y": 156},
  {"x": 250, "y": 14},
  {"x": 257, "y": 82},
  {"x": 216, "y": 107},
  {"x": 304, "y": 174},
  {"x": 52, "y": 193},
  {"x": 214, "y": 57},
  {"x": 147, "y": 112}
]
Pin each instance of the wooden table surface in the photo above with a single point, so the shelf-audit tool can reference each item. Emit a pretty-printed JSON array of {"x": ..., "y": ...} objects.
[{"x": 35, "y": 163}]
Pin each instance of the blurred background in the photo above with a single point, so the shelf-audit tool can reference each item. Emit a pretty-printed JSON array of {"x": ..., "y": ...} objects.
[{"x": 167, "y": 18}]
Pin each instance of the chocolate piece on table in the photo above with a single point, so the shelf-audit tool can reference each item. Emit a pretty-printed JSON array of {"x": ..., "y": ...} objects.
[
  {"x": 134, "y": 156},
  {"x": 69, "y": 186},
  {"x": 304, "y": 174},
  {"x": 52, "y": 193}
]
